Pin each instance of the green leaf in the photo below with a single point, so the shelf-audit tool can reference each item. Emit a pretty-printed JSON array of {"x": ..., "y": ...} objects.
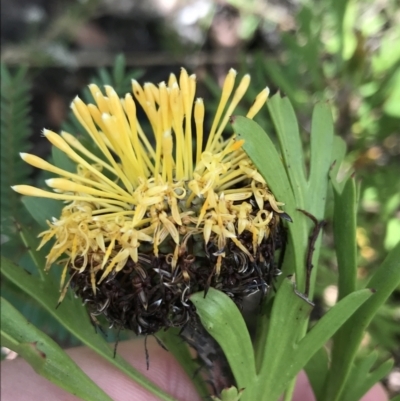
[
  {"x": 259, "y": 147},
  {"x": 45, "y": 356},
  {"x": 61, "y": 160},
  {"x": 278, "y": 370},
  {"x": 224, "y": 322},
  {"x": 73, "y": 316},
  {"x": 285, "y": 122},
  {"x": 321, "y": 152},
  {"x": 362, "y": 378},
  {"x": 42, "y": 209},
  {"x": 266, "y": 158},
  {"x": 289, "y": 310},
  {"x": 14, "y": 134},
  {"x": 274, "y": 345},
  {"x": 344, "y": 229},
  {"x": 119, "y": 70},
  {"x": 338, "y": 154},
  {"x": 37, "y": 256},
  {"x": 347, "y": 341}
]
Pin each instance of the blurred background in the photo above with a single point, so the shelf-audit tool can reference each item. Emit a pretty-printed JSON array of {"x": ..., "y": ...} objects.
[{"x": 345, "y": 52}]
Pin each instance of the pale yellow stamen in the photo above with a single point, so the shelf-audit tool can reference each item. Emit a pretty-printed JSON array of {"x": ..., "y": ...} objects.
[
  {"x": 258, "y": 103},
  {"x": 145, "y": 189},
  {"x": 99, "y": 98},
  {"x": 199, "y": 121},
  {"x": 226, "y": 93},
  {"x": 65, "y": 185},
  {"x": 33, "y": 191},
  {"x": 239, "y": 93}
]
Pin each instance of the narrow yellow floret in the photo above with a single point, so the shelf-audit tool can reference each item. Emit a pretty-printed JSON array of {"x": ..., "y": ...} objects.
[{"x": 146, "y": 189}]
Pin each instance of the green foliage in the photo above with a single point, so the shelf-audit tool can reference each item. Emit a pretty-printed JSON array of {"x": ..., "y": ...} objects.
[
  {"x": 45, "y": 356},
  {"x": 332, "y": 383},
  {"x": 223, "y": 320},
  {"x": 15, "y": 132},
  {"x": 71, "y": 315},
  {"x": 327, "y": 59}
]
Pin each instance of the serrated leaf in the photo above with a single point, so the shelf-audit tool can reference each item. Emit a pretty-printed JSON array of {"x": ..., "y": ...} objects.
[{"x": 15, "y": 131}]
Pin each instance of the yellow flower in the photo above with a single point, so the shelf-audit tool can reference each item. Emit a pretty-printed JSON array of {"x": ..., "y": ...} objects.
[{"x": 147, "y": 192}]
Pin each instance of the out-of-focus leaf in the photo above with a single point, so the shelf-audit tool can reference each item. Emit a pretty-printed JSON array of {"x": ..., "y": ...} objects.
[
  {"x": 42, "y": 209},
  {"x": 61, "y": 160}
]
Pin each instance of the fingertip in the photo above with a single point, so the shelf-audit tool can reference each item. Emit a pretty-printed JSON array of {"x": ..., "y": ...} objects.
[{"x": 164, "y": 371}]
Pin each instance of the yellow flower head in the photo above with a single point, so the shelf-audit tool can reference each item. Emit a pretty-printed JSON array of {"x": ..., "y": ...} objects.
[{"x": 177, "y": 193}]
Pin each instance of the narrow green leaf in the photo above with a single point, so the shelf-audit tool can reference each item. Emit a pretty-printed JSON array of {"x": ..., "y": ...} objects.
[
  {"x": 315, "y": 193},
  {"x": 38, "y": 257},
  {"x": 329, "y": 324},
  {"x": 303, "y": 351},
  {"x": 45, "y": 356},
  {"x": 321, "y": 153},
  {"x": 42, "y": 209},
  {"x": 289, "y": 311},
  {"x": 224, "y": 322},
  {"x": 73, "y": 316},
  {"x": 338, "y": 154},
  {"x": 347, "y": 341},
  {"x": 119, "y": 70},
  {"x": 344, "y": 229},
  {"x": 362, "y": 378},
  {"x": 285, "y": 122},
  {"x": 265, "y": 157}
]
